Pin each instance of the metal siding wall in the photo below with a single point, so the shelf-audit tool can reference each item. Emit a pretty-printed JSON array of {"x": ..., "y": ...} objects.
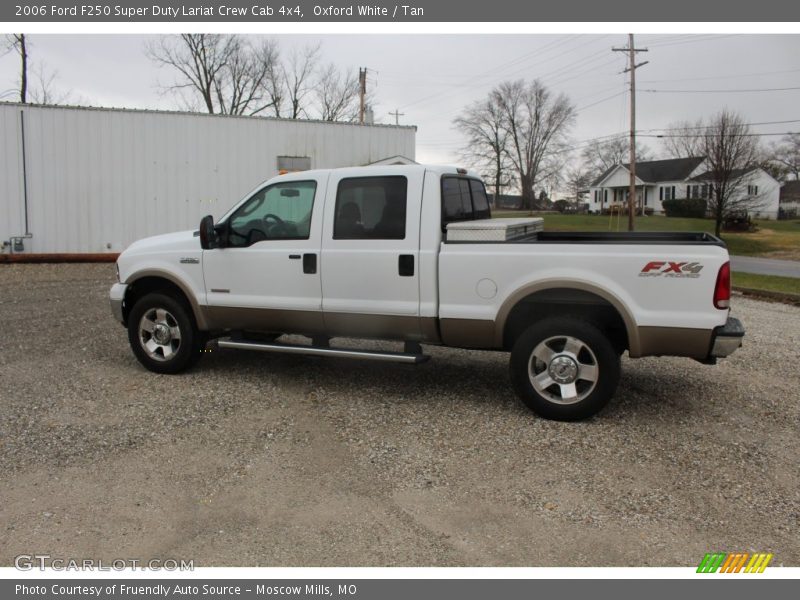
[{"x": 101, "y": 179}]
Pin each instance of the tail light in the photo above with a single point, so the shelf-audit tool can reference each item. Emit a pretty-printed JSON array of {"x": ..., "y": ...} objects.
[{"x": 722, "y": 291}]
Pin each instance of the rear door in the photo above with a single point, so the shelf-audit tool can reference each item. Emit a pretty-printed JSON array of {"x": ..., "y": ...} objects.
[{"x": 370, "y": 253}]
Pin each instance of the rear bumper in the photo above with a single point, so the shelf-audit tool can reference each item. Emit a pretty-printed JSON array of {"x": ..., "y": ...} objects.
[
  {"x": 117, "y": 297},
  {"x": 727, "y": 338}
]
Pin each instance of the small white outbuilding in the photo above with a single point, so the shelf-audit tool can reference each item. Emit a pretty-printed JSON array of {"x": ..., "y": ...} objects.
[{"x": 93, "y": 180}]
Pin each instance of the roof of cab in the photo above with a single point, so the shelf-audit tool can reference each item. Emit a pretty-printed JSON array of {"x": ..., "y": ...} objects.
[{"x": 373, "y": 169}]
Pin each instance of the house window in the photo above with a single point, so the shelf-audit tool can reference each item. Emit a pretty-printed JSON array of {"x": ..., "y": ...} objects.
[
  {"x": 605, "y": 195},
  {"x": 752, "y": 190},
  {"x": 667, "y": 192},
  {"x": 698, "y": 191}
]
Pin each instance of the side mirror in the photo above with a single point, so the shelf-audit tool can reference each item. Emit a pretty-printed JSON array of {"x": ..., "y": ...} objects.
[{"x": 208, "y": 235}]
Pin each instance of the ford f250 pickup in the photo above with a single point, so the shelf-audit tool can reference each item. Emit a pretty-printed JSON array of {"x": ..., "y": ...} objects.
[{"x": 411, "y": 254}]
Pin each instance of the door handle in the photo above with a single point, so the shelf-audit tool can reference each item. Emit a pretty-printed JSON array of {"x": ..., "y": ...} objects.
[
  {"x": 405, "y": 265},
  {"x": 309, "y": 263},
  {"x": 294, "y": 256}
]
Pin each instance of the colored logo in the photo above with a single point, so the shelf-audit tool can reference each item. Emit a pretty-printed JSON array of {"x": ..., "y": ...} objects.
[
  {"x": 736, "y": 562},
  {"x": 668, "y": 268}
]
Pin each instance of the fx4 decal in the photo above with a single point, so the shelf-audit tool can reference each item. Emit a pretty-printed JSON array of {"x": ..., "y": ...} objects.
[{"x": 668, "y": 268}]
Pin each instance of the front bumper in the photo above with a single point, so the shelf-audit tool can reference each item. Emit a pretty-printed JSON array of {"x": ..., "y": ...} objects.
[
  {"x": 117, "y": 298},
  {"x": 727, "y": 338}
]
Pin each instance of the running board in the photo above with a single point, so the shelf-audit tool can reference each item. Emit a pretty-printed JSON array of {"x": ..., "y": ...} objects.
[{"x": 402, "y": 357}]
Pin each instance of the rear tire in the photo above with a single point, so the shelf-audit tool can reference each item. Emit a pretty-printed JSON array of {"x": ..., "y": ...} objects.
[
  {"x": 564, "y": 369},
  {"x": 163, "y": 335}
]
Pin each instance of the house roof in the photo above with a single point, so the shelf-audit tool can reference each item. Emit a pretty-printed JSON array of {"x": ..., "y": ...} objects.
[
  {"x": 652, "y": 171},
  {"x": 708, "y": 175},
  {"x": 790, "y": 191}
]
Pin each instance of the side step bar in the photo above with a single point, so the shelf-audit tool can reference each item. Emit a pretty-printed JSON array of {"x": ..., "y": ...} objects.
[{"x": 402, "y": 357}]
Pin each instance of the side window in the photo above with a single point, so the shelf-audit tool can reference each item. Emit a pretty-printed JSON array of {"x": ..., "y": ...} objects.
[
  {"x": 480, "y": 202},
  {"x": 371, "y": 208},
  {"x": 278, "y": 212}
]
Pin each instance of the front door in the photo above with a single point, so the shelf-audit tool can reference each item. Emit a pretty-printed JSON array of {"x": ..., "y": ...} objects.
[
  {"x": 370, "y": 254},
  {"x": 267, "y": 275}
]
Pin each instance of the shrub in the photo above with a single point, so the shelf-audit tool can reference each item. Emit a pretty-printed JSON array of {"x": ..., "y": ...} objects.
[{"x": 688, "y": 207}]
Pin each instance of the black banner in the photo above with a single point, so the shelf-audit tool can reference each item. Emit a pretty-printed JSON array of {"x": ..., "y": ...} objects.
[
  {"x": 395, "y": 589},
  {"x": 405, "y": 11}
]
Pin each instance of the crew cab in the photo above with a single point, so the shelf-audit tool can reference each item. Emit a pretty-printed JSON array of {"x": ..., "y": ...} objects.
[{"x": 411, "y": 254}]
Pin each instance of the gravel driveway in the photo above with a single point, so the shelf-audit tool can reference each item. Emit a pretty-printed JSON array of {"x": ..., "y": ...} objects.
[{"x": 254, "y": 459}]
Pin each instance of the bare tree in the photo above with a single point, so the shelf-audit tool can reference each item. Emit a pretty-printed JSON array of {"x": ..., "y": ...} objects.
[
  {"x": 600, "y": 155},
  {"x": 198, "y": 59},
  {"x": 17, "y": 42},
  {"x": 731, "y": 153},
  {"x": 245, "y": 85},
  {"x": 576, "y": 179},
  {"x": 537, "y": 124},
  {"x": 486, "y": 147},
  {"x": 298, "y": 74},
  {"x": 683, "y": 139},
  {"x": 786, "y": 154},
  {"x": 44, "y": 89},
  {"x": 336, "y": 94}
]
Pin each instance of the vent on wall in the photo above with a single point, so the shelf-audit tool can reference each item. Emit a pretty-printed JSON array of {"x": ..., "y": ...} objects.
[{"x": 289, "y": 164}]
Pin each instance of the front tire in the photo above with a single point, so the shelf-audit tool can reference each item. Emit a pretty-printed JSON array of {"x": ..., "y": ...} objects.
[
  {"x": 564, "y": 369},
  {"x": 163, "y": 335}
]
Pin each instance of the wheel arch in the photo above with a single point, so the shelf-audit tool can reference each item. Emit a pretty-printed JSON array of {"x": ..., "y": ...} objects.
[
  {"x": 579, "y": 296},
  {"x": 154, "y": 280}
]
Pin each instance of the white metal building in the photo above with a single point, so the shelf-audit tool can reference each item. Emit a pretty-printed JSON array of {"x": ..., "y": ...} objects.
[{"x": 93, "y": 180}]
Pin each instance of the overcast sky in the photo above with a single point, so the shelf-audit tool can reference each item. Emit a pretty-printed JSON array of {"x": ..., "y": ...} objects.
[{"x": 430, "y": 78}]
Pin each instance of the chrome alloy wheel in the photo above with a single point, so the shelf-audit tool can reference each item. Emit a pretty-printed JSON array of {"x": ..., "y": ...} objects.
[
  {"x": 563, "y": 369},
  {"x": 159, "y": 334}
]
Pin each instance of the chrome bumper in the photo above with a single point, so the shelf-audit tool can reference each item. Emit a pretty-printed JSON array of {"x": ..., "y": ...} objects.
[
  {"x": 117, "y": 298},
  {"x": 727, "y": 338}
]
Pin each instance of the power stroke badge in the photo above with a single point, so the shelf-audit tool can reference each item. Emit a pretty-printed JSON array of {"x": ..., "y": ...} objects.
[{"x": 668, "y": 268}]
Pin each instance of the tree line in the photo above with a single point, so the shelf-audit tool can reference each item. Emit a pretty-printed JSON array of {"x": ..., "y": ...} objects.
[
  {"x": 224, "y": 74},
  {"x": 518, "y": 138}
]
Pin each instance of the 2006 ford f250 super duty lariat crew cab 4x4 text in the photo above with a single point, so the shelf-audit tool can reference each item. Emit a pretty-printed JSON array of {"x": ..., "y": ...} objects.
[{"x": 410, "y": 253}]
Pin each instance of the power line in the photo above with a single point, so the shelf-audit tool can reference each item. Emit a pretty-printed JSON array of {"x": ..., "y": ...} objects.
[
  {"x": 786, "y": 89},
  {"x": 712, "y": 126},
  {"x": 493, "y": 73},
  {"x": 699, "y": 38},
  {"x": 738, "y": 76},
  {"x": 653, "y": 135}
]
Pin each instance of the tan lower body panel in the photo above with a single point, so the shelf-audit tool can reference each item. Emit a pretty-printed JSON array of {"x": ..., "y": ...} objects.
[
  {"x": 653, "y": 341},
  {"x": 309, "y": 322},
  {"x": 468, "y": 333},
  {"x": 674, "y": 341},
  {"x": 267, "y": 320}
]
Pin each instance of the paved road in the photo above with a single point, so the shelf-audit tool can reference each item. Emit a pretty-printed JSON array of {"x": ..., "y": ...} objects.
[{"x": 766, "y": 266}]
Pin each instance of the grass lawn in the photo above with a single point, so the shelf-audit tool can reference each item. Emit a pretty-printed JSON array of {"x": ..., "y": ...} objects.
[
  {"x": 786, "y": 285},
  {"x": 774, "y": 239}
]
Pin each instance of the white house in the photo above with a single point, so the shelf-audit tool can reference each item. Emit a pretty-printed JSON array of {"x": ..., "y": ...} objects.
[{"x": 677, "y": 178}]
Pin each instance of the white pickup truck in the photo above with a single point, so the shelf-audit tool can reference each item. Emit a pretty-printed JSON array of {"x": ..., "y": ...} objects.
[{"x": 410, "y": 254}]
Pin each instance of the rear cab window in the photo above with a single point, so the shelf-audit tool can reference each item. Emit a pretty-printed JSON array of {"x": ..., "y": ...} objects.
[{"x": 463, "y": 199}]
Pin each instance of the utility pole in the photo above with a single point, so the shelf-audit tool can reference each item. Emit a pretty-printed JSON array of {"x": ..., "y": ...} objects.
[
  {"x": 632, "y": 66},
  {"x": 396, "y": 114},
  {"x": 362, "y": 93}
]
